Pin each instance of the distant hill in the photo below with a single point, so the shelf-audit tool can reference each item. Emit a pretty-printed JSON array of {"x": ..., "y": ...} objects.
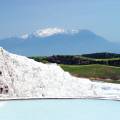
[
  {"x": 56, "y": 41},
  {"x": 104, "y": 55}
]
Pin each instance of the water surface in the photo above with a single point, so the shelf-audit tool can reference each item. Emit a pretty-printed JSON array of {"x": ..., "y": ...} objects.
[{"x": 80, "y": 109}]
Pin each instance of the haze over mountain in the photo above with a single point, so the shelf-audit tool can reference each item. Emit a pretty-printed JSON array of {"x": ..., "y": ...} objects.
[{"x": 51, "y": 41}]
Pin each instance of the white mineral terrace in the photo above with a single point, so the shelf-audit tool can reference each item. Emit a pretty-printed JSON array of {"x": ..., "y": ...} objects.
[{"x": 23, "y": 78}]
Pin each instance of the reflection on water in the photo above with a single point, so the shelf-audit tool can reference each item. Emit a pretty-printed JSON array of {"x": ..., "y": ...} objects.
[{"x": 79, "y": 109}]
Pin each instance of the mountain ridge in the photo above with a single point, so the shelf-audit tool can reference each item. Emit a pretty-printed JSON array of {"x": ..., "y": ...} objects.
[{"x": 61, "y": 42}]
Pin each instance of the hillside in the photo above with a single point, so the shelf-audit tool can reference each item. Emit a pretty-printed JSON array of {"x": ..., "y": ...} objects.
[
  {"x": 96, "y": 72},
  {"x": 103, "y": 55},
  {"x": 99, "y": 66},
  {"x": 24, "y": 78}
]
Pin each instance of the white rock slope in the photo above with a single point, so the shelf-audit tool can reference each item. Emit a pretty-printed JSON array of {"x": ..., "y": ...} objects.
[{"x": 22, "y": 78}]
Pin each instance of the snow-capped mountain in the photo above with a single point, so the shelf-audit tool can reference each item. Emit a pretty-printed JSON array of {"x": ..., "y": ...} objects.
[
  {"x": 48, "y": 32},
  {"x": 23, "y": 78},
  {"x": 51, "y": 41}
]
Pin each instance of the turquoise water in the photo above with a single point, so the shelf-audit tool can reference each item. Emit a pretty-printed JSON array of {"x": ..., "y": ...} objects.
[{"x": 80, "y": 109}]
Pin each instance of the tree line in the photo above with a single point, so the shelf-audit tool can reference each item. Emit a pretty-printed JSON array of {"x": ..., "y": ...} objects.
[{"x": 86, "y": 59}]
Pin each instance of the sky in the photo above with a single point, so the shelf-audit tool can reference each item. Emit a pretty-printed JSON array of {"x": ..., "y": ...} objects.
[
  {"x": 25, "y": 16},
  {"x": 60, "y": 110}
]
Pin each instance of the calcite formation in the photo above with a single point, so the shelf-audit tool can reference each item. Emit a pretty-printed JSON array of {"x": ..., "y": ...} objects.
[{"x": 24, "y": 78}]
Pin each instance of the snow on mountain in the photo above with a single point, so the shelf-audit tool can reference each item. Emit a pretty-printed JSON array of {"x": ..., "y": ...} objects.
[
  {"x": 23, "y": 78},
  {"x": 48, "y": 32}
]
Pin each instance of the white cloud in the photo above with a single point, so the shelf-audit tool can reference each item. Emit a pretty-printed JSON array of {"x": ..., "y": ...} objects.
[{"x": 48, "y": 32}]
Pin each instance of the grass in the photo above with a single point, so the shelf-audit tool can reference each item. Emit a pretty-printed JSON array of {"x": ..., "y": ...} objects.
[
  {"x": 95, "y": 72},
  {"x": 108, "y": 59}
]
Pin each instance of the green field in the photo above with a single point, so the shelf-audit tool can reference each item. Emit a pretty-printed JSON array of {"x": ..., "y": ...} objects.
[{"x": 95, "y": 72}]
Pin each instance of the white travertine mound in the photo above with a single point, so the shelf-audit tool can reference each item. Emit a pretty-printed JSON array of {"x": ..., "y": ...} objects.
[{"x": 23, "y": 78}]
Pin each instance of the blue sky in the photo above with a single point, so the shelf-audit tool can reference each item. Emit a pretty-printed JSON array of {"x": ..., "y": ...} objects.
[
  {"x": 60, "y": 110},
  {"x": 25, "y": 16}
]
